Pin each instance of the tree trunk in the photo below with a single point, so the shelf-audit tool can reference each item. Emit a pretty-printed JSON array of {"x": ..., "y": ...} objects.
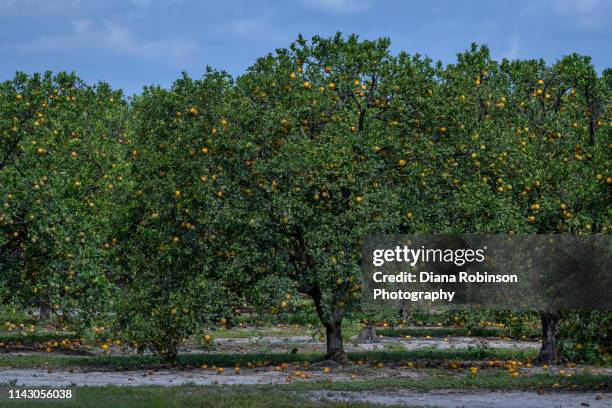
[
  {"x": 406, "y": 313},
  {"x": 367, "y": 335},
  {"x": 333, "y": 328},
  {"x": 335, "y": 347},
  {"x": 170, "y": 356},
  {"x": 548, "y": 352},
  {"x": 44, "y": 311}
]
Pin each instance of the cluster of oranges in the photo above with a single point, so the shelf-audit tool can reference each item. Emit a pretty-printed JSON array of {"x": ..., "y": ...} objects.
[
  {"x": 359, "y": 90},
  {"x": 513, "y": 367},
  {"x": 64, "y": 344},
  {"x": 218, "y": 370},
  {"x": 301, "y": 374},
  {"x": 295, "y": 371},
  {"x": 19, "y": 328},
  {"x": 109, "y": 344}
]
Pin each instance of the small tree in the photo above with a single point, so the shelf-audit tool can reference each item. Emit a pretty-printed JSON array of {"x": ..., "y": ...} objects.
[
  {"x": 61, "y": 144},
  {"x": 559, "y": 117},
  {"x": 178, "y": 252}
]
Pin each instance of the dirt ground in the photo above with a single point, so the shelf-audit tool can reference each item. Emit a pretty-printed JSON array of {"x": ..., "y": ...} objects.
[
  {"x": 61, "y": 378},
  {"x": 170, "y": 377},
  {"x": 440, "y": 399},
  {"x": 209, "y": 376},
  {"x": 272, "y": 343},
  {"x": 308, "y": 344},
  {"x": 472, "y": 399}
]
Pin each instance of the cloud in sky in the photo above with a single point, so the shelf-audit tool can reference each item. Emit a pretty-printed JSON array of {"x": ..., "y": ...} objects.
[
  {"x": 141, "y": 3},
  {"x": 248, "y": 27},
  {"x": 131, "y": 43},
  {"x": 587, "y": 13},
  {"x": 35, "y": 7},
  {"x": 513, "y": 50},
  {"x": 340, "y": 6},
  {"x": 88, "y": 35},
  {"x": 573, "y": 6}
]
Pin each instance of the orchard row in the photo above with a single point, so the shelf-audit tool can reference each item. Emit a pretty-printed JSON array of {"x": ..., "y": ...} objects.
[{"x": 168, "y": 212}]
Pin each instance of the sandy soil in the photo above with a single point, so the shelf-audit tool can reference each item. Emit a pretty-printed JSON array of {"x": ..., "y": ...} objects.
[
  {"x": 272, "y": 343},
  {"x": 449, "y": 343},
  {"x": 63, "y": 378},
  {"x": 472, "y": 399},
  {"x": 171, "y": 377},
  {"x": 308, "y": 344},
  {"x": 261, "y": 375}
]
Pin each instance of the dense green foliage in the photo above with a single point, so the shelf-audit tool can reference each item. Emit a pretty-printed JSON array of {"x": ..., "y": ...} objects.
[
  {"x": 176, "y": 248},
  {"x": 189, "y": 203},
  {"x": 61, "y": 151}
]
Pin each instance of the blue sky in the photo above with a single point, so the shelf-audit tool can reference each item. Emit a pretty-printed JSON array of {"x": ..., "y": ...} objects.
[{"x": 131, "y": 43}]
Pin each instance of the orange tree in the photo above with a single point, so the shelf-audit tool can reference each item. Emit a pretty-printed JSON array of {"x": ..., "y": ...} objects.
[
  {"x": 561, "y": 121},
  {"x": 178, "y": 254},
  {"x": 61, "y": 144},
  {"x": 523, "y": 148},
  {"x": 317, "y": 158}
]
